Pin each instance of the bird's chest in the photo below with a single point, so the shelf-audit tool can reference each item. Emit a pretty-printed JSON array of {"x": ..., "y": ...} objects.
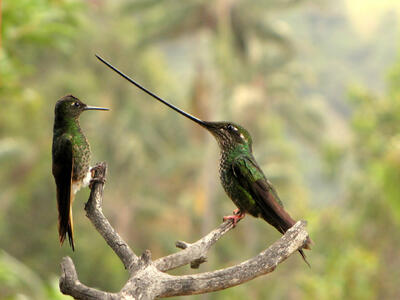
[
  {"x": 230, "y": 183},
  {"x": 234, "y": 189},
  {"x": 81, "y": 158}
]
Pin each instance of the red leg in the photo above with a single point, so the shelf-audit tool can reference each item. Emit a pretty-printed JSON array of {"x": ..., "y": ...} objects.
[
  {"x": 236, "y": 211},
  {"x": 236, "y": 217}
]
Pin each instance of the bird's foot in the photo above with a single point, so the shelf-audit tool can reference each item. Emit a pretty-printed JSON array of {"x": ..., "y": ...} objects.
[
  {"x": 96, "y": 179},
  {"x": 236, "y": 211},
  {"x": 236, "y": 217}
]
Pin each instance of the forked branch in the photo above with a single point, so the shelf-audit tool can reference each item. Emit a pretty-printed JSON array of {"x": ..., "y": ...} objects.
[{"x": 148, "y": 279}]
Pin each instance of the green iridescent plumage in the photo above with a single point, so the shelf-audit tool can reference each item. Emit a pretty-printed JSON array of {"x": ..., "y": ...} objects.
[
  {"x": 71, "y": 158},
  {"x": 241, "y": 177},
  {"x": 244, "y": 181}
]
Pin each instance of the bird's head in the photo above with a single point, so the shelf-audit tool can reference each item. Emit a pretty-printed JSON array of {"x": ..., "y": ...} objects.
[
  {"x": 228, "y": 134},
  {"x": 71, "y": 107}
]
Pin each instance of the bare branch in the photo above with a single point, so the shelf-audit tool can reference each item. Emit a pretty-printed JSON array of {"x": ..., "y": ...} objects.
[
  {"x": 95, "y": 214},
  {"x": 70, "y": 285},
  {"x": 263, "y": 263},
  {"x": 148, "y": 279},
  {"x": 195, "y": 253}
]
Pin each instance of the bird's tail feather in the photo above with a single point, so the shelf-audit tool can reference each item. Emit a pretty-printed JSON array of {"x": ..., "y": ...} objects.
[
  {"x": 66, "y": 225},
  {"x": 282, "y": 221},
  {"x": 284, "y": 225},
  {"x": 273, "y": 212},
  {"x": 304, "y": 257},
  {"x": 307, "y": 244}
]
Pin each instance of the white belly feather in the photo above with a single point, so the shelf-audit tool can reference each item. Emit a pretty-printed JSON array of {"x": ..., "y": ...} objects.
[{"x": 76, "y": 186}]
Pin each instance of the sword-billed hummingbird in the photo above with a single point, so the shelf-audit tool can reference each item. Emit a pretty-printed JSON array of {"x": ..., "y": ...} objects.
[
  {"x": 71, "y": 158},
  {"x": 241, "y": 177}
]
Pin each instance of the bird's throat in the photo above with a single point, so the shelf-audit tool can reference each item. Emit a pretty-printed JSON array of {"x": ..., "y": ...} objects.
[{"x": 67, "y": 125}]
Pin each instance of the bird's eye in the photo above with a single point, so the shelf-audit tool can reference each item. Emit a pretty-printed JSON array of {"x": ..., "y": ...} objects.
[
  {"x": 76, "y": 104},
  {"x": 230, "y": 127}
]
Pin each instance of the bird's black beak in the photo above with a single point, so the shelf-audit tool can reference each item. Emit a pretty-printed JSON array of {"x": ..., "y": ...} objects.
[
  {"x": 189, "y": 116},
  {"x": 212, "y": 128},
  {"x": 95, "y": 108}
]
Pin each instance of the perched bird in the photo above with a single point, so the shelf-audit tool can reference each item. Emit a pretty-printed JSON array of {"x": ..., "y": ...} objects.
[
  {"x": 241, "y": 177},
  {"x": 71, "y": 158}
]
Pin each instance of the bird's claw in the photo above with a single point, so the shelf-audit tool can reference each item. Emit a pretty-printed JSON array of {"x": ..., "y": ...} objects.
[
  {"x": 236, "y": 217},
  {"x": 94, "y": 169},
  {"x": 98, "y": 179}
]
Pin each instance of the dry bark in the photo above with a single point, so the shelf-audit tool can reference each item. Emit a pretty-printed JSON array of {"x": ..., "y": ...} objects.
[{"x": 148, "y": 279}]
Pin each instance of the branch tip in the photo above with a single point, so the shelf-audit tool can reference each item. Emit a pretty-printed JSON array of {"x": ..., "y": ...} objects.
[
  {"x": 146, "y": 257},
  {"x": 196, "y": 263},
  {"x": 181, "y": 245}
]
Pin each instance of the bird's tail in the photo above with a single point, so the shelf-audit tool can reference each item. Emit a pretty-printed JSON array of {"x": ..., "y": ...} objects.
[
  {"x": 304, "y": 257},
  {"x": 273, "y": 212},
  {"x": 282, "y": 221},
  {"x": 65, "y": 223},
  {"x": 285, "y": 227},
  {"x": 307, "y": 245}
]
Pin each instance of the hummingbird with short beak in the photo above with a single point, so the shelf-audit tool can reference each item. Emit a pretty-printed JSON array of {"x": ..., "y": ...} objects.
[
  {"x": 241, "y": 177},
  {"x": 71, "y": 159}
]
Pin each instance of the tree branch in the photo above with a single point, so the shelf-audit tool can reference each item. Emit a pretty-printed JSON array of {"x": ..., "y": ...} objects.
[
  {"x": 95, "y": 214},
  {"x": 148, "y": 279},
  {"x": 70, "y": 285},
  {"x": 195, "y": 253},
  {"x": 263, "y": 263}
]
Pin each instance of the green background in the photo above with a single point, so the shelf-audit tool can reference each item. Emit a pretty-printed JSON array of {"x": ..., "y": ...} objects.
[{"x": 316, "y": 83}]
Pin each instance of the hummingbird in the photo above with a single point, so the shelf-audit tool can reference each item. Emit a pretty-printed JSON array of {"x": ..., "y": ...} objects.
[
  {"x": 241, "y": 177},
  {"x": 71, "y": 159}
]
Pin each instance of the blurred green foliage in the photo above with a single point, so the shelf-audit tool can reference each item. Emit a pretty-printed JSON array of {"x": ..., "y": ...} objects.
[{"x": 280, "y": 68}]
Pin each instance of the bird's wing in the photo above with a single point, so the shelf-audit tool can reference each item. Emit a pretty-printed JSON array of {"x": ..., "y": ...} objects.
[
  {"x": 252, "y": 179},
  {"x": 62, "y": 171}
]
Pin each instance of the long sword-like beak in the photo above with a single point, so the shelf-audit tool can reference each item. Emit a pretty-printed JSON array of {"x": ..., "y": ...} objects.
[
  {"x": 189, "y": 116},
  {"x": 95, "y": 108}
]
